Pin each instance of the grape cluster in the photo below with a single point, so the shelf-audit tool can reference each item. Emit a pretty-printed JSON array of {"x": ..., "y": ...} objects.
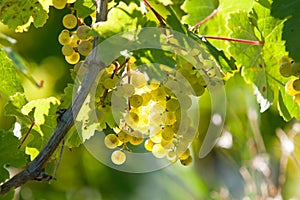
[
  {"x": 290, "y": 68},
  {"x": 149, "y": 114},
  {"x": 75, "y": 43}
]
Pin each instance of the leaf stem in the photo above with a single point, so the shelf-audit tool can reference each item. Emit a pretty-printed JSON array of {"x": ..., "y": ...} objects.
[
  {"x": 252, "y": 42},
  {"x": 205, "y": 20}
]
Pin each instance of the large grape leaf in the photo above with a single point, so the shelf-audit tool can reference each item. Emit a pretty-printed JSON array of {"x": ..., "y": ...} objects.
[
  {"x": 19, "y": 14},
  {"x": 198, "y": 10},
  {"x": 289, "y": 10},
  {"x": 260, "y": 63},
  {"x": 9, "y": 153},
  {"x": 9, "y": 81}
]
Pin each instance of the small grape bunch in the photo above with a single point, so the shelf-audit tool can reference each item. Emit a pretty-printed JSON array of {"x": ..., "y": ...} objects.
[
  {"x": 289, "y": 68},
  {"x": 149, "y": 115},
  {"x": 75, "y": 43}
]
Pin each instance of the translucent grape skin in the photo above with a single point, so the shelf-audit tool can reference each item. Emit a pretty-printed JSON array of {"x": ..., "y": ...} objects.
[
  {"x": 67, "y": 50},
  {"x": 59, "y": 4},
  {"x": 111, "y": 141},
  {"x": 64, "y": 37},
  {"x": 85, "y": 47},
  {"x": 289, "y": 88},
  {"x": 73, "y": 58},
  {"x": 82, "y": 31},
  {"x": 187, "y": 161},
  {"x": 118, "y": 157},
  {"x": 136, "y": 100},
  {"x": 69, "y": 21}
]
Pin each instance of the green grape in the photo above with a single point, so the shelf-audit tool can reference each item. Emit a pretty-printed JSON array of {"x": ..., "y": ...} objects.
[
  {"x": 167, "y": 133},
  {"x": 136, "y": 100},
  {"x": 131, "y": 118},
  {"x": 64, "y": 37},
  {"x": 199, "y": 89},
  {"x": 187, "y": 161},
  {"x": 286, "y": 69},
  {"x": 82, "y": 32},
  {"x": 170, "y": 118},
  {"x": 171, "y": 156},
  {"x": 158, "y": 151},
  {"x": 128, "y": 89},
  {"x": 138, "y": 80},
  {"x": 85, "y": 47},
  {"x": 289, "y": 88},
  {"x": 297, "y": 99},
  {"x": 124, "y": 136},
  {"x": 111, "y": 141},
  {"x": 146, "y": 98},
  {"x": 159, "y": 94},
  {"x": 156, "y": 138},
  {"x": 296, "y": 84},
  {"x": 172, "y": 104},
  {"x": 148, "y": 145},
  {"x": 109, "y": 83},
  {"x": 59, "y": 4},
  {"x": 136, "y": 138},
  {"x": 67, "y": 50},
  {"x": 118, "y": 157},
  {"x": 69, "y": 21},
  {"x": 73, "y": 58},
  {"x": 185, "y": 154}
]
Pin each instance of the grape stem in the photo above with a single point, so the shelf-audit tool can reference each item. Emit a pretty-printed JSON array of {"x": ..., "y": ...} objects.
[{"x": 35, "y": 168}]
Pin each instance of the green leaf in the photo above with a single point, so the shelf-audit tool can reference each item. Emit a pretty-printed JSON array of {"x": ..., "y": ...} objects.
[
  {"x": 19, "y": 14},
  {"x": 10, "y": 83},
  {"x": 292, "y": 109},
  {"x": 84, "y": 7},
  {"x": 291, "y": 31},
  {"x": 198, "y": 10},
  {"x": 9, "y": 153},
  {"x": 283, "y": 110}
]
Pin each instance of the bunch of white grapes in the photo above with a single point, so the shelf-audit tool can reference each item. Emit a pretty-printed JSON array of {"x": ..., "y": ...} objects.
[
  {"x": 289, "y": 68},
  {"x": 75, "y": 43},
  {"x": 150, "y": 114}
]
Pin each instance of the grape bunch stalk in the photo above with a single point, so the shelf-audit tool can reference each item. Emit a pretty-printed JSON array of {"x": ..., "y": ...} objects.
[{"x": 289, "y": 68}]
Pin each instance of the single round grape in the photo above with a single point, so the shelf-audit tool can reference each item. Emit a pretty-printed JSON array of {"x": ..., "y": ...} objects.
[
  {"x": 167, "y": 133},
  {"x": 136, "y": 138},
  {"x": 64, "y": 37},
  {"x": 170, "y": 118},
  {"x": 124, "y": 136},
  {"x": 148, "y": 145},
  {"x": 146, "y": 98},
  {"x": 82, "y": 31},
  {"x": 187, "y": 161},
  {"x": 136, "y": 100},
  {"x": 171, "y": 156},
  {"x": 67, "y": 50},
  {"x": 128, "y": 89},
  {"x": 199, "y": 89},
  {"x": 111, "y": 141},
  {"x": 172, "y": 104},
  {"x": 73, "y": 58},
  {"x": 138, "y": 80},
  {"x": 118, "y": 157},
  {"x": 109, "y": 83},
  {"x": 85, "y": 47},
  {"x": 59, "y": 4},
  {"x": 296, "y": 84},
  {"x": 158, "y": 151},
  {"x": 131, "y": 118},
  {"x": 286, "y": 69},
  {"x": 289, "y": 88},
  {"x": 185, "y": 154},
  {"x": 295, "y": 69},
  {"x": 159, "y": 94},
  {"x": 69, "y": 21}
]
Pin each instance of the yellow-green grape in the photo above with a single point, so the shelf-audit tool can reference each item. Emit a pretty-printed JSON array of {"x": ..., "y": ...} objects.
[
  {"x": 82, "y": 31},
  {"x": 131, "y": 118},
  {"x": 67, "y": 50},
  {"x": 69, "y": 21},
  {"x": 73, "y": 58},
  {"x": 138, "y": 80},
  {"x": 159, "y": 94},
  {"x": 289, "y": 88},
  {"x": 110, "y": 69},
  {"x": 295, "y": 68},
  {"x": 185, "y": 154},
  {"x": 156, "y": 138},
  {"x": 64, "y": 37},
  {"x": 171, "y": 156},
  {"x": 172, "y": 104},
  {"x": 170, "y": 118},
  {"x": 118, "y": 157},
  {"x": 148, "y": 145},
  {"x": 158, "y": 151},
  {"x": 187, "y": 161},
  {"x": 128, "y": 90},
  {"x": 109, "y": 83},
  {"x": 199, "y": 89},
  {"x": 296, "y": 84},
  {"x": 136, "y": 100},
  {"x": 146, "y": 98},
  {"x": 297, "y": 99},
  {"x": 85, "y": 47},
  {"x": 74, "y": 41},
  {"x": 59, "y": 4},
  {"x": 124, "y": 136},
  {"x": 136, "y": 138},
  {"x": 167, "y": 133},
  {"x": 286, "y": 69},
  {"x": 111, "y": 141}
]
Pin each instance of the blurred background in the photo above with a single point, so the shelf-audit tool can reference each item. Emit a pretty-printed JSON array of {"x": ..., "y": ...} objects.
[{"x": 253, "y": 159}]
